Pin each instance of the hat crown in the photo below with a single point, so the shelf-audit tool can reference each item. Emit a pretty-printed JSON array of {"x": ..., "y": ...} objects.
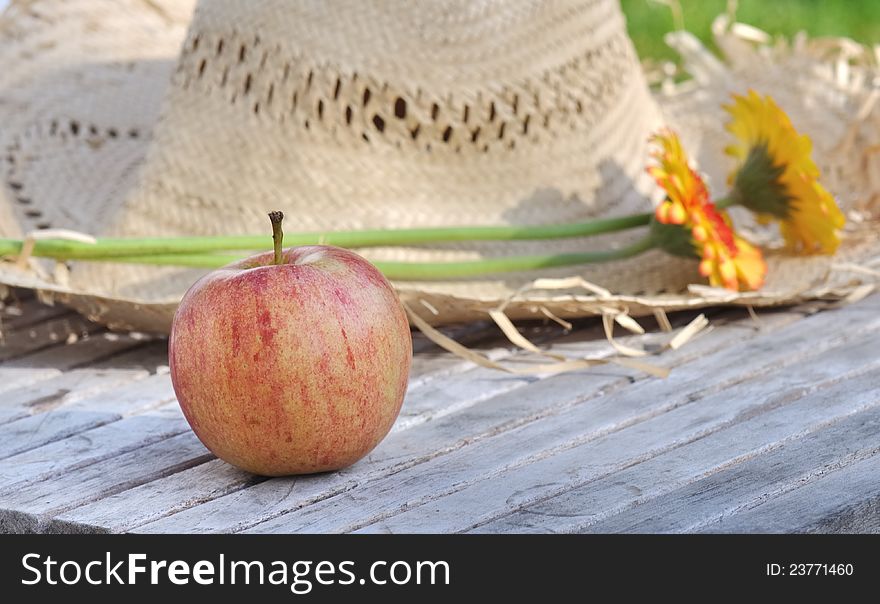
[
  {"x": 351, "y": 115},
  {"x": 442, "y": 77},
  {"x": 456, "y": 45}
]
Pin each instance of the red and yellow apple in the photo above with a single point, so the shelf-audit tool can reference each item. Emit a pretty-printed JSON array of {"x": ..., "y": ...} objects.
[{"x": 291, "y": 368}]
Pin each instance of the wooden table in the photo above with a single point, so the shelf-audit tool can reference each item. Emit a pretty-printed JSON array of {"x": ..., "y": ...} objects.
[{"x": 767, "y": 425}]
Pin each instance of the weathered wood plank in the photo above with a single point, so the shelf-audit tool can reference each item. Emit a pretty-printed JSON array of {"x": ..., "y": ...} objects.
[
  {"x": 173, "y": 498},
  {"x": 12, "y": 378},
  {"x": 446, "y": 413},
  {"x": 30, "y": 507},
  {"x": 471, "y": 334},
  {"x": 279, "y": 495},
  {"x": 433, "y": 399},
  {"x": 64, "y": 389},
  {"x": 89, "y": 447},
  {"x": 69, "y": 417},
  {"x": 49, "y": 362},
  {"x": 495, "y": 477},
  {"x": 702, "y": 481},
  {"x": 85, "y": 351},
  {"x": 29, "y": 312},
  {"x": 96, "y": 419},
  {"x": 115, "y": 513},
  {"x": 434, "y": 363},
  {"x": 846, "y": 500},
  {"x": 430, "y": 362},
  {"x": 46, "y": 363},
  {"x": 430, "y": 400},
  {"x": 429, "y": 440},
  {"x": 18, "y": 342},
  {"x": 151, "y": 356},
  {"x": 760, "y": 479}
]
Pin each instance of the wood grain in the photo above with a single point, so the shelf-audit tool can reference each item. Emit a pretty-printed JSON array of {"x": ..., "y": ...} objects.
[
  {"x": 433, "y": 440},
  {"x": 761, "y": 426}
]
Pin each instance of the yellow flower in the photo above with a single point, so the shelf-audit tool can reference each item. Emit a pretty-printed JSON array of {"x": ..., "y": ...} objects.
[
  {"x": 777, "y": 178},
  {"x": 726, "y": 259}
]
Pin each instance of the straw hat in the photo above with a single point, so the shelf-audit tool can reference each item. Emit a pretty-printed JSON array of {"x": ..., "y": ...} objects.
[{"x": 144, "y": 118}]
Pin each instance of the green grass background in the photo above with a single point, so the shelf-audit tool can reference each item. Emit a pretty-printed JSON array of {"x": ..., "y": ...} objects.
[{"x": 648, "y": 21}]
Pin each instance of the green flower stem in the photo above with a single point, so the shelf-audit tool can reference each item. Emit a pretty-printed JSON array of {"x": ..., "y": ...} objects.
[
  {"x": 725, "y": 202},
  {"x": 110, "y": 248},
  {"x": 421, "y": 271}
]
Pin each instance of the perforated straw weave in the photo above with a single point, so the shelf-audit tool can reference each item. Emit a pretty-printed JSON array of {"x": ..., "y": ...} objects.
[{"x": 134, "y": 118}]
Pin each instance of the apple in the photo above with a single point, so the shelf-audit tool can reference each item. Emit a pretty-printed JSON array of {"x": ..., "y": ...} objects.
[{"x": 293, "y": 362}]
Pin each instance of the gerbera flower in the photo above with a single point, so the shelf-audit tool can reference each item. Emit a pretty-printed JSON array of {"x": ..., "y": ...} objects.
[
  {"x": 777, "y": 178},
  {"x": 725, "y": 258}
]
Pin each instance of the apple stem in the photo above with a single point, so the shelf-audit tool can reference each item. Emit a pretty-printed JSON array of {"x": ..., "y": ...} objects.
[{"x": 277, "y": 234}]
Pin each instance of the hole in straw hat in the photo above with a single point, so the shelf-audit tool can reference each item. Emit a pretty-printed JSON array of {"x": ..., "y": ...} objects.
[
  {"x": 475, "y": 134},
  {"x": 74, "y": 128},
  {"x": 93, "y": 130},
  {"x": 320, "y": 109},
  {"x": 399, "y": 108},
  {"x": 112, "y": 132},
  {"x": 465, "y": 114},
  {"x": 309, "y": 79},
  {"x": 365, "y": 137},
  {"x": 257, "y": 108},
  {"x": 435, "y": 111},
  {"x": 15, "y": 186},
  {"x": 337, "y": 88},
  {"x": 415, "y": 132},
  {"x": 134, "y": 133},
  {"x": 293, "y": 101},
  {"x": 202, "y": 65},
  {"x": 492, "y": 111},
  {"x": 247, "y": 83},
  {"x": 23, "y": 200},
  {"x": 44, "y": 225},
  {"x": 195, "y": 42},
  {"x": 270, "y": 93},
  {"x": 367, "y": 95},
  {"x": 525, "y": 127},
  {"x": 447, "y": 134},
  {"x": 242, "y": 53},
  {"x": 33, "y": 213},
  {"x": 220, "y": 46},
  {"x": 379, "y": 123},
  {"x": 348, "y": 114},
  {"x": 501, "y": 130}
]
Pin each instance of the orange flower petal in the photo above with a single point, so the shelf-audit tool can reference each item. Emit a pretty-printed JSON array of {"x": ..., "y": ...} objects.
[{"x": 726, "y": 260}]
